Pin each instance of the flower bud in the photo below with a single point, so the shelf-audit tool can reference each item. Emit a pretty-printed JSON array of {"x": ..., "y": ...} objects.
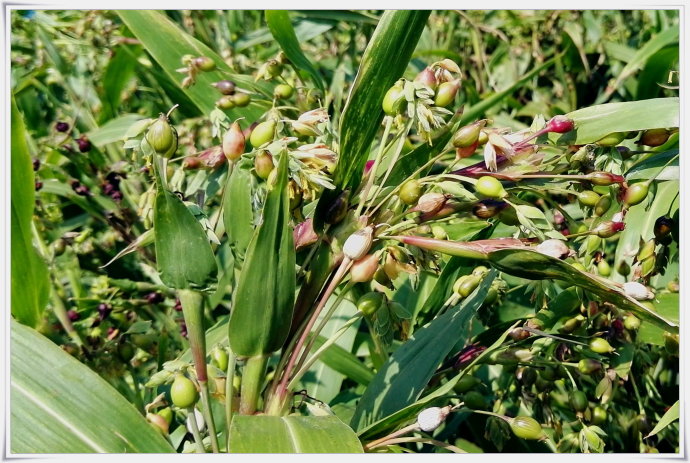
[
  {"x": 468, "y": 135},
  {"x": 233, "y": 142},
  {"x": 427, "y": 77},
  {"x": 226, "y": 102},
  {"x": 430, "y": 203},
  {"x": 262, "y": 133},
  {"x": 654, "y": 137},
  {"x": 605, "y": 178},
  {"x": 526, "y": 427},
  {"x": 363, "y": 270},
  {"x": 560, "y": 124},
  {"x": 410, "y": 192},
  {"x": 446, "y": 92},
  {"x": 462, "y": 153},
  {"x": 431, "y": 418},
  {"x": 304, "y": 235},
  {"x": 283, "y": 91},
  {"x": 490, "y": 187},
  {"x": 588, "y": 366},
  {"x": 487, "y": 208},
  {"x": 554, "y": 248},
  {"x": 162, "y": 137},
  {"x": 637, "y": 291},
  {"x": 600, "y": 346},
  {"x": 609, "y": 228},
  {"x": 263, "y": 164},
  {"x": 241, "y": 99},
  {"x": 358, "y": 243},
  {"x": 201, "y": 424},
  {"x": 84, "y": 144},
  {"x": 226, "y": 87}
]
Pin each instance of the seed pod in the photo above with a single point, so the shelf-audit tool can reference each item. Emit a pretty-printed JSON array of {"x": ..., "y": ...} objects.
[
  {"x": 519, "y": 334},
  {"x": 263, "y": 164},
  {"x": 663, "y": 227},
  {"x": 468, "y": 135},
  {"x": 647, "y": 250},
  {"x": 59, "y": 247},
  {"x": 158, "y": 422},
  {"x": 578, "y": 400},
  {"x": 605, "y": 178},
  {"x": 273, "y": 68},
  {"x": 623, "y": 268},
  {"x": 427, "y": 77},
  {"x": 410, "y": 191},
  {"x": 468, "y": 285},
  {"x": 394, "y": 100},
  {"x": 357, "y": 244},
  {"x": 654, "y": 137},
  {"x": 431, "y": 418},
  {"x": 241, "y": 99},
  {"x": 166, "y": 413},
  {"x": 474, "y": 400},
  {"x": 204, "y": 63},
  {"x": 554, "y": 248},
  {"x": 183, "y": 392},
  {"x": 602, "y": 206},
  {"x": 220, "y": 358},
  {"x": 588, "y": 198},
  {"x": 572, "y": 324},
  {"x": 490, "y": 187},
  {"x": 226, "y": 87},
  {"x": 600, "y": 346},
  {"x": 363, "y": 270},
  {"x": 61, "y": 126},
  {"x": 636, "y": 193},
  {"x": 631, "y": 322},
  {"x": 560, "y": 124},
  {"x": 609, "y": 228},
  {"x": 446, "y": 92},
  {"x": 588, "y": 366},
  {"x": 487, "y": 208},
  {"x": 226, "y": 102},
  {"x": 162, "y": 137},
  {"x": 465, "y": 383},
  {"x": 612, "y": 139},
  {"x": 233, "y": 142},
  {"x": 599, "y": 415},
  {"x": 262, "y": 133},
  {"x": 603, "y": 268},
  {"x": 370, "y": 303},
  {"x": 637, "y": 291},
  {"x": 283, "y": 91},
  {"x": 84, "y": 144},
  {"x": 526, "y": 427}
]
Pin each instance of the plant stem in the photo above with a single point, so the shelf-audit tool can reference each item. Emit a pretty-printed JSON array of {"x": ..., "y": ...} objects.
[
  {"x": 372, "y": 173},
  {"x": 252, "y": 380},
  {"x": 137, "y": 390},
  {"x": 229, "y": 396},
  {"x": 195, "y": 430},
  {"x": 424, "y": 440},
  {"x": 61, "y": 314},
  {"x": 400, "y": 432},
  {"x": 208, "y": 416}
]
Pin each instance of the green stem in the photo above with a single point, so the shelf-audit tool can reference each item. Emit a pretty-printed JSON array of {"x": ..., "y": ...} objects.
[
  {"x": 195, "y": 430},
  {"x": 252, "y": 380},
  {"x": 208, "y": 416},
  {"x": 61, "y": 314},
  {"x": 137, "y": 390},
  {"x": 372, "y": 173},
  {"x": 229, "y": 396}
]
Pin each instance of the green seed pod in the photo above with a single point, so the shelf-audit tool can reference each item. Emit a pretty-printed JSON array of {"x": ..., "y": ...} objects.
[
  {"x": 490, "y": 187},
  {"x": 549, "y": 373},
  {"x": 588, "y": 198},
  {"x": 262, "y": 133},
  {"x": 465, "y": 383},
  {"x": 273, "y": 68},
  {"x": 226, "y": 102},
  {"x": 166, "y": 413},
  {"x": 648, "y": 266},
  {"x": 541, "y": 384},
  {"x": 636, "y": 193},
  {"x": 624, "y": 268},
  {"x": 220, "y": 358},
  {"x": 612, "y": 139},
  {"x": 446, "y": 92},
  {"x": 394, "y": 100},
  {"x": 526, "y": 427},
  {"x": 600, "y": 346},
  {"x": 647, "y": 250},
  {"x": 603, "y": 268},
  {"x": 183, "y": 392},
  {"x": 599, "y": 415},
  {"x": 241, "y": 99},
  {"x": 631, "y": 322},
  {"x": 483, "y": 138},
  {"x": 283, "y": 91},
  {"x": 263, "y": 164},
  {"x": 410, "y": 191},
  {"x": 233, "y": 142},
  {"x": 491, "y": 296},
  {"x": 602, "y": 206},
  {"x": 162, "y": 137},
  {"x": 458, "y": 283},
  {"x": 59, "y": 247},
  {"x": 587, "y": 366},
  {"x": 605, "y": 178},
  {"x": 468, "y": 135},
  {"x": 474, "y": 400},
  {"x": 370, "y": 303},
  {"x": 469, "y": 285},
  {"x": 572, "y": 324},
  {"x": 204, "y": 63},
  {"x": 654, "y": 137},
  {"x": 578, "y": 400}
]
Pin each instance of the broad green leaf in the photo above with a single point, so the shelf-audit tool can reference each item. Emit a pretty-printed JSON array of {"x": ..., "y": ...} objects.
[
  {"x": 667, "y": 305},
  {"x": 58, "y": 405},
  {"x": 114, "y": 130},
  {"x": 183, "y": 253},
  {"x": 167, "y": 43},
  {"x": 292, "y": 434},
  {"x": 117, "y": 75},
  {"x": 651, "y": 167},
  {"x": 263, "y": 302},
  {"x": 281, "y": 28},
  {"x": 407, "y": 372},
  {"x": 304, "y": 30},
  {"x": 623, "y": 361},
  {"x": 671, "y": 415},
  {"x": 238, "y": 214},
  {"x": 344, "y": 362},
  {"x": 384, "y": 61},
  {"x": 537, "y": 266},
  {"x": 595, "y": 122},
  {"x": 29, "y": 273}
]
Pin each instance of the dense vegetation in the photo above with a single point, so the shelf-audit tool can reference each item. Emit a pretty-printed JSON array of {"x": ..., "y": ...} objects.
[{"x": 340, "y": 231}]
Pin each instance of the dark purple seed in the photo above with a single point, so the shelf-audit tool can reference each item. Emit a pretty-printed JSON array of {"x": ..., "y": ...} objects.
[
  {"x": 104, "y": 310},
  {"x": 73, "y": 315},
  {"x": 116, "y": 196},
  {"x": 178, "y": 305},
  {"x": 183, "y": 330},
  {"x": 38, "y": 185},
  {"x": 36, "y": 164},
  {"x": 62, "y": 126},
  {"x": 84, "y": 144},
  {"x": 154, "y": 297}
]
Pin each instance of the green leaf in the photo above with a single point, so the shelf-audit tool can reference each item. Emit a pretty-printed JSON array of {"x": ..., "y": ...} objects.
[
  {"x": 537, "y": 266},
  {"x": 29, "y": 273},
  {"x": 623, "y": 361},
  {"x": 384, "y": 61},
  {"x": 183, "y": 253},
  {"x": 238, "y": 214},
  {"x": 167, "y": 44},
  {"x": 407, "y": 372},
  {"x": 114, "y": 130},
  {"x": 650, "y": 167},
  {"x": 263, "y": 302},
  {"x": 281, "y": 28},
  {"x": 595, "y": 122},
  {"x": 344, "y": 362},
  {"x": 117, "y": 75},
  {"x": 59, "y": 405},
  {"x": 669, "y": 417},
  {"x": 292, "y": 434},
  {"x": 667, "y": 305}
]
